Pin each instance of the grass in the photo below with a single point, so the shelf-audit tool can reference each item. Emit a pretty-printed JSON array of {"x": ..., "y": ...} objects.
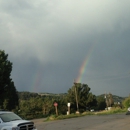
[
  {"x": 112, "y": 111},
  {"x": 61, "y": 117}
]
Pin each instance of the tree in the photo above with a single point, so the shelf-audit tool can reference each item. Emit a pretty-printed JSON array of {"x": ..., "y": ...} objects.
[
  {"x": 84, "y": 97},
  {"x": 126, "y": 102},
  {"x": 12, "y": 96},
  {"x": 8, "y": 93},
  {"x": 101, "y": 104},
  {"x": 109, "y": 100},
  {"x": 47, "y": 105},
  {"x": 27, "y": 95}
]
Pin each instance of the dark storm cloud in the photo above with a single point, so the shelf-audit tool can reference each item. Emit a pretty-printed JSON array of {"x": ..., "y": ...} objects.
[{"x": 47, "y": 41}]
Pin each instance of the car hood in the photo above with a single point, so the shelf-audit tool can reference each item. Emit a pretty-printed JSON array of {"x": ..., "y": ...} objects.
[{"x": 16, "y": 123}]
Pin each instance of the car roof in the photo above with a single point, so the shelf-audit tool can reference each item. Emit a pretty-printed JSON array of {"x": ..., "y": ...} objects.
[{"x": 1, "y": 112}]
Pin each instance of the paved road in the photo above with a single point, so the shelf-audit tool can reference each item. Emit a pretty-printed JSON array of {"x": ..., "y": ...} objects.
[{"x": 104, "y": 122}]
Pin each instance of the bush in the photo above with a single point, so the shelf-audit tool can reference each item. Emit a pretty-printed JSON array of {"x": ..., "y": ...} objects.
[{"x": 126, "y": 102}]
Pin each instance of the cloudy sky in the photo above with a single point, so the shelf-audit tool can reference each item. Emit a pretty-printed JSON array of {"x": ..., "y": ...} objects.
[{"x": 53, "y": 42}]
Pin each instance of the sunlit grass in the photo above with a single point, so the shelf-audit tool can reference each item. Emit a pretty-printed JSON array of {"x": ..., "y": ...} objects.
[
  {"x": 74, "y": 115},
  {"x": 112, "y": 111},
  {"x": 60, "y": 117}
]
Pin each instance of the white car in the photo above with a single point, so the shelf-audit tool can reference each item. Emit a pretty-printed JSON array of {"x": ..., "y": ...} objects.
[{"x": 11, "y": 121}]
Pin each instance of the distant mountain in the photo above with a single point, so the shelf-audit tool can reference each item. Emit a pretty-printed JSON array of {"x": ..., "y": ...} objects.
[{"x": 51, "y": 94}]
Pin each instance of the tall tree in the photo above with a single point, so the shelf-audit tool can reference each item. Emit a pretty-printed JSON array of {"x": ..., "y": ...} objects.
[
  {"x": 109, "y": 100},
  {"x": 79, "y": 96},
  {"x": 47, "y": 105},
  {"x": 8, "y": 93}
]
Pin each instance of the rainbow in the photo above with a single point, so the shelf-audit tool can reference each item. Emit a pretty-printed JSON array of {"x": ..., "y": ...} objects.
[
  {"x": 84, "y": 64},
  {"x": 37, "y": 80}
]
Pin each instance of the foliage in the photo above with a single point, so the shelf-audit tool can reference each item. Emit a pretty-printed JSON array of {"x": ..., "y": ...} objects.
[
  {"x": 27, "y": 95},
  {"x": 60, "y": 117},
  {"x": 126, "y": 102},
  {"x": 109, "y": 100},
  {"x": 37, "y": 106},
  {"x": 8, "y": 93},
  {"x": 42, "y": 106},
  {"x": 31, "y": 108},
  {"x": 84, "y": 97},
  {"x": 46, "y": 104},
  {"x": 62, "y": 106},
  {"x": 48, "y": 100},
  {"x": 101, "y": 104},
  {"x": 115, "y": 98},
  {"x": 112, "y": 111}
]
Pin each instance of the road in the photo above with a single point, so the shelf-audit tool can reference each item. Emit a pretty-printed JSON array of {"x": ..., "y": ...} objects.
[{"x": 104, "y": 122}]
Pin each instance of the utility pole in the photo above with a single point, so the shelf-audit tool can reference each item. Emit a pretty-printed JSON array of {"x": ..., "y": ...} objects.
[
  {"x": 105, "y": 96},
  {"x": 76, "y": 97}
]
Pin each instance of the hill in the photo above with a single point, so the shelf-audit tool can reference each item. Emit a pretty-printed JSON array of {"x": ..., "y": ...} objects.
[
  {"x": 115, "y": 98},
  {"x": 27, "y": 95}
]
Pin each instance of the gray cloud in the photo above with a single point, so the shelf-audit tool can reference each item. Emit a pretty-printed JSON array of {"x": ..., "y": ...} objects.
[{"x": 47, "y": 41}]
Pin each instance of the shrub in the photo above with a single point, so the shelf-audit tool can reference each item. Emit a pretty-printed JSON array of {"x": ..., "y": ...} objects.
[{"x": 126, "y": 102}]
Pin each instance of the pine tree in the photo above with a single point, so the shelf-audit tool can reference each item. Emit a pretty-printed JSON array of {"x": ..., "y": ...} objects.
[{"x": 8, "y": 93}]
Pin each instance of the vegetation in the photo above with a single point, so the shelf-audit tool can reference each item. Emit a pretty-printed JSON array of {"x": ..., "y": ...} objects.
[
  {"x": 32, "y": 105},
  {"x": 112, "y": 111},
  {"x": 8, "y": 93},
  {"x": 101, "y": 105},
  {"x": 126, "y": 102},
  {"x": 109, "y": 100},
  {"x": 85, "y": 99},
  {"x": 36, "y": 105}
]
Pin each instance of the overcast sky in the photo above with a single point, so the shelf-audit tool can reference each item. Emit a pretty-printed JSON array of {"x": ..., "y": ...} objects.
[{"x": 48, "y": 41}]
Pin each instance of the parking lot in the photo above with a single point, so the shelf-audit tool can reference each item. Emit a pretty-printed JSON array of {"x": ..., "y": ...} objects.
[{"x": 104, "y": 122}]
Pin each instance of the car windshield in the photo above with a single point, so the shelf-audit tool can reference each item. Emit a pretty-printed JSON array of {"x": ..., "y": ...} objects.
[{"x": 6, "y": 117}]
